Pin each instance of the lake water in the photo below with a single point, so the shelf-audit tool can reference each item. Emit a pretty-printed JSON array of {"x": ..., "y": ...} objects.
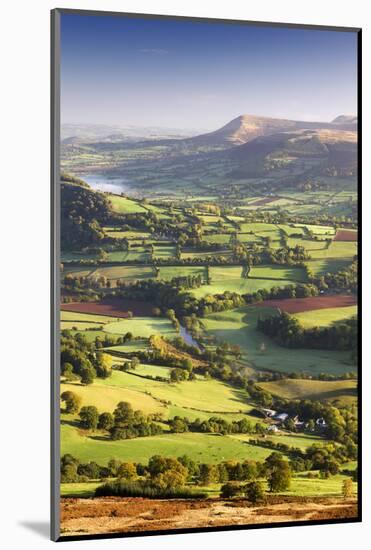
[{"x": 110, "y": 185}]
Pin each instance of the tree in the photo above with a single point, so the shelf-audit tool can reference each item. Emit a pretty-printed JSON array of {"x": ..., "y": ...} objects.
[
  {"x": 69, "y": 473},
  {"x": 254, "y": 491},
  {"x": 207, "y": 474},
  {"x": 178, "y": 425},
  {"x": 123, "y": 413},
  {"x": 67, "y": 371},
  {"x": 278, "y": 473},
  {"x": 90, "y": 470},
  {"x": 89, "y": 417},
  {"x": 103, "y": 365},
  {"x": 347, "y": 488},
  {"x": 113, "y": 466},
  {"x": 72, "y": 402},
  {"x": 102, "y": 255},
  {"x": 229, "y": 490},
  {"x": 87, "y": 375},
  {"x": 171, "y": 479},
  {"x": 106, "y": 421},
  {"x": 177, "y": 375},
  {"x": 311, "y": 425},
  {"x": 127, "y": 470}
]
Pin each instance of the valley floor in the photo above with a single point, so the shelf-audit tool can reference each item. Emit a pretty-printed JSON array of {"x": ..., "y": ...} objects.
[{"x": 123, "y": 515}]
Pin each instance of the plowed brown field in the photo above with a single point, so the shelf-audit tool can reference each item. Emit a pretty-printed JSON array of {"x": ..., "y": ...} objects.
[
  {"x": 115, "y": 307},
  {"x": 296, "y": 305},
  {"x": 345, "y": 235}
]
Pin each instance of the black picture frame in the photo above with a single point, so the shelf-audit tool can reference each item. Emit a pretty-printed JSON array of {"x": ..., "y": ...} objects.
[{"x": 55, "y": 275}]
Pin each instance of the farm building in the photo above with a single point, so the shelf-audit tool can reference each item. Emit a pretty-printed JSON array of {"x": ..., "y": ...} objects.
[
  {"x": 282, "y": 417},
  {"x": 321, "y": 422},
  {"x": 269, "y": 413},
  {"x": 273, "y": 428}
]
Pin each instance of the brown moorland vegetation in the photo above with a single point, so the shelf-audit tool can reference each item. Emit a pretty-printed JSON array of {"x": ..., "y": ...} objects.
[{"x": 122, "y": 515}]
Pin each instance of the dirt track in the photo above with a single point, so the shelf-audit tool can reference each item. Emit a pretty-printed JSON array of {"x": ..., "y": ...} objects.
[{"x": 114, "y": 515}]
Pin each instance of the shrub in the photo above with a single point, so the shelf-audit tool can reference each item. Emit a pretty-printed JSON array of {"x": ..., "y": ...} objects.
[{"x": 144, "y": 489}]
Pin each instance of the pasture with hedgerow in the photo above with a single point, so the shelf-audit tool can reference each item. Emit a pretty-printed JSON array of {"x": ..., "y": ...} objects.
[{"x": 208, "y": 323}]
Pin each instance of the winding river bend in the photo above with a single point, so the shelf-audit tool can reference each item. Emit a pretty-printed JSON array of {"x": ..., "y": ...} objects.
[{"x": 188, "y": 338}]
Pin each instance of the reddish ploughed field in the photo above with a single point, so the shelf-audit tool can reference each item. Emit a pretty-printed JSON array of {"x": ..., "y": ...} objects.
[
  {"x": 115, "y": 307},
  {"x": 296, "y": 305},
  {"x": 345, "y": 235}
]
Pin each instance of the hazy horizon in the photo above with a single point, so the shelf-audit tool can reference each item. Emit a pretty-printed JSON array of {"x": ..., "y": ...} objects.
[{"x": 198, "y": 76}]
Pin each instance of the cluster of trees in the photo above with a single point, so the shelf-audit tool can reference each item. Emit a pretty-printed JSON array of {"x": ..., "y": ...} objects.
[
  {"x": 124, "y": 423},
  {"x": 341, "y": 424},
  {"x": 285, "y": 255},
  {"x": 345, "y": 279},
  {"x": 282, "y": 293},
  {"x": 79, "y": 359},
  {"x": 215, "y": 425},
  {"x": 188, "y": 281},
  {"x": 287, "y": 331},
  {"x": 83, "y": 212},
  {"x": 165, "y": 475}
]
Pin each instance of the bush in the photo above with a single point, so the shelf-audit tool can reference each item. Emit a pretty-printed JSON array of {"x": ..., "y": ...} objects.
[
  {"x": 254, "y": 491},
  {"x": 144, "y": 489},
  {"x": 229, "y": 490}
]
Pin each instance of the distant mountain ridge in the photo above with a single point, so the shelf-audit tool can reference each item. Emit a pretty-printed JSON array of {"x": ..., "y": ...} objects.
[{"x": 245, "y": 128}]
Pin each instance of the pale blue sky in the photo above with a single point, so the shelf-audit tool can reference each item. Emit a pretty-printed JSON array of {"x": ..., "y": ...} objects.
[{"x": 179, "y": 74}]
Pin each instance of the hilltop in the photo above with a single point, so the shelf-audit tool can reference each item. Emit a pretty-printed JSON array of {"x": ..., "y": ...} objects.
[{"x": 244, "y": 128}]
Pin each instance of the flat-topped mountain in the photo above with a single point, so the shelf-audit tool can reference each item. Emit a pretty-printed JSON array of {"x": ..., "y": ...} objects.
[
  {"x": 245, "y": 128},
  {"x": 345, "y": 119}
]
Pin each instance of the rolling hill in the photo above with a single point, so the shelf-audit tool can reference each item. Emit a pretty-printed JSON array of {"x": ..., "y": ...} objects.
[{"x": 245, "y": 128}]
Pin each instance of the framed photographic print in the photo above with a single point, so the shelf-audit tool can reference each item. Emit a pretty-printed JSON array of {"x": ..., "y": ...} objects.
[{"x": 205, "y": 211}]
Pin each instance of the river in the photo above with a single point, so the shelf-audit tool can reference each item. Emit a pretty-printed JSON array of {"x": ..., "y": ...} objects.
[{"x": 188, "y": 338}]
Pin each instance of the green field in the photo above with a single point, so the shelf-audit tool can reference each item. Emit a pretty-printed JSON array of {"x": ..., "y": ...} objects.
[
  {"x": 341, "y": 392},
  {"x": 204, "y": 395},
  {"x": 229, "y": 278},
  {"x": 210, "y": 448},
  {"x": 278, "y": 272},
  {"x": 325, "y": 317},
  {"x": 337, "y": 249},
  {"x": 143, "y": 327},
  {"x": 115, "y": 233},
  {"x": 113, "y": 273},
  {"x": 122, "y": 205},
  {"x": 164, "y": 251},
  {"x": 301, "y": 485},
  {"x": 106, "y": 394},
  {"x": 330, "y": 265},
  {"x": 300, "y": 440},
  {"x": 317, "y": 229},
  {"x": 169, "y": 272},
  {"x": 239, "y": 327}
]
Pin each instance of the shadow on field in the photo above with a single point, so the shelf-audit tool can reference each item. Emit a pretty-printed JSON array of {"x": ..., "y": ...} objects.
[{"x": 41, "y": 528}]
